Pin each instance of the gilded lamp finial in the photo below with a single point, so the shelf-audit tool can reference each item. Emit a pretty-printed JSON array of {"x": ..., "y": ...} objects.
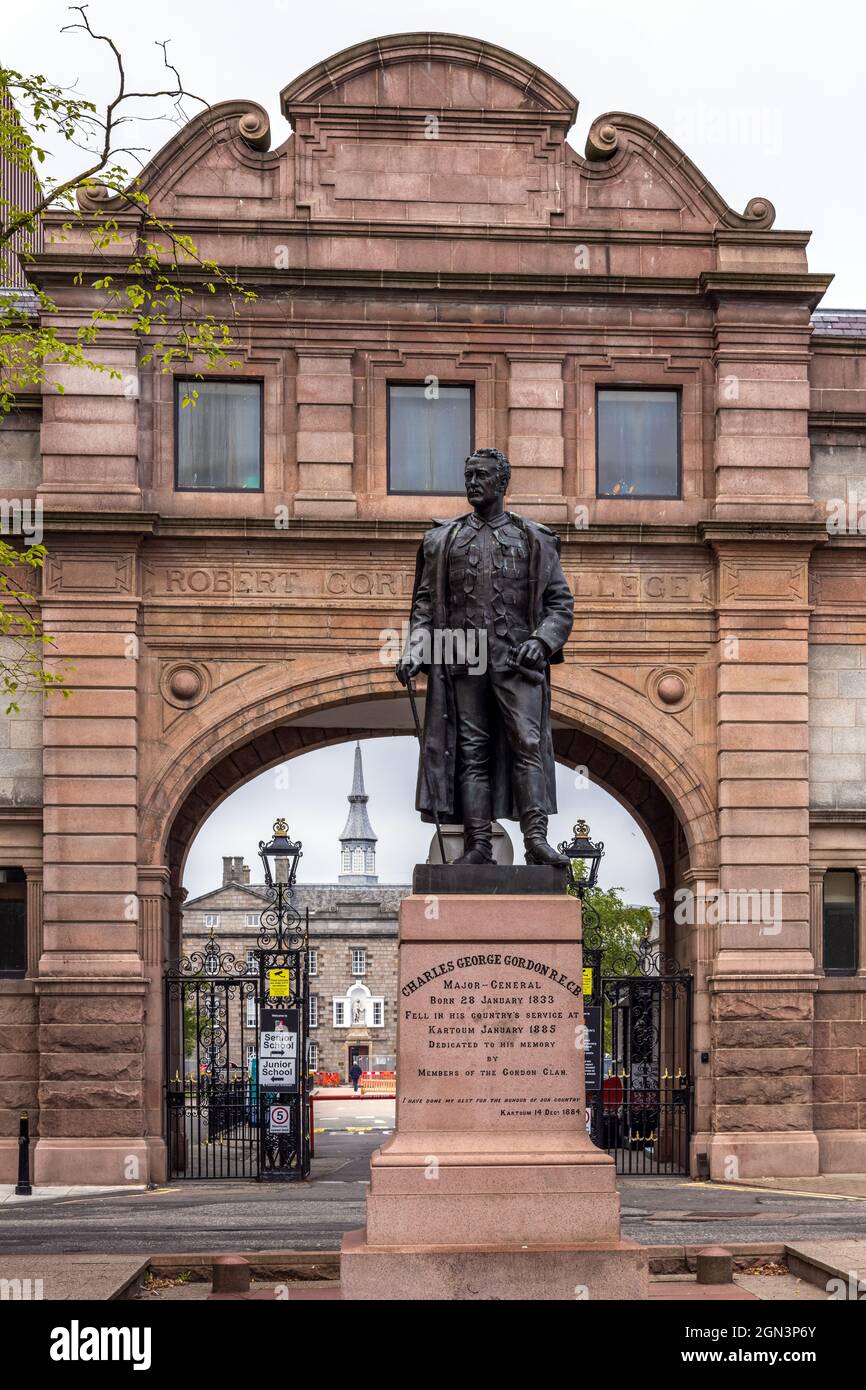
[{"x": 281, "y": 826}]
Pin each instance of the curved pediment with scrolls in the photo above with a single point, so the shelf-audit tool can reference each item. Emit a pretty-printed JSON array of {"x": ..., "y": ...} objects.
[{"x": 426, "y": 128}]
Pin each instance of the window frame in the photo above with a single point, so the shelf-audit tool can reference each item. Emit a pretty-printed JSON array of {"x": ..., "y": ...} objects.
[
  {"x": 312, "y": 961},
  {"x": 19, "y": 973},
  {"x": 313, "y": 1008},
  {"x": 645, "y": 389},
  {"x": 176, "y": 409},
  {"x": 835, "y": 971},
  {"x": 358, "y": 951},
  {"x": 398, "y": 381}
]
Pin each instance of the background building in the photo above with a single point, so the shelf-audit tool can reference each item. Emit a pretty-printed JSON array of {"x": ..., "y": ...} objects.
[{"x": 353, "y": 944}]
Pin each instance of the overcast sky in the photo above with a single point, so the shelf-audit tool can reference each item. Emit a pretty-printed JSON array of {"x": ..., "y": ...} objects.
[{"x": 768, "y": 98}]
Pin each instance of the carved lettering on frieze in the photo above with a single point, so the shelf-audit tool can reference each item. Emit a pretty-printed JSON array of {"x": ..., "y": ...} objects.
[
  {"x": 348, "y": 583},
  {"x": 645, "y": 586},
  {"x": 239, "y": 581}
]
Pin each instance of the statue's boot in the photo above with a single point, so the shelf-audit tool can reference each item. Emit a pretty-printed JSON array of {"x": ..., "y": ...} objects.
[
  {"x": 477, "y": 826},
  {"x": 531, "y": 796}
]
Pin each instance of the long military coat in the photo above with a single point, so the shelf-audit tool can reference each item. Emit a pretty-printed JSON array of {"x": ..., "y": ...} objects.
[{"x": 551, "y": 612}]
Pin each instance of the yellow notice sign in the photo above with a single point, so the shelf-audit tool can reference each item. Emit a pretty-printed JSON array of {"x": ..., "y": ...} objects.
[
  {"x": 279, "y": 983},
  {"x": 587, "y": 979}
]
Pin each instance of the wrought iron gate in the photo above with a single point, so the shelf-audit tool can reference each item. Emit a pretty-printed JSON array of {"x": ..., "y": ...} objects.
[
  {"x": 640, "y": 1108},
  {"x": 211, "y": 1039},
  {"x": 235, "y": 1095}
]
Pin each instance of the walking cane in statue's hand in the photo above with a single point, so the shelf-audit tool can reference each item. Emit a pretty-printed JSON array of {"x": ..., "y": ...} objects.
[{"x": 410, "y": 686}]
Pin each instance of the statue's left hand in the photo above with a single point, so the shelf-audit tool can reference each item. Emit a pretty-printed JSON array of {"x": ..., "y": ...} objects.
[{"x": 531, "y": 653}]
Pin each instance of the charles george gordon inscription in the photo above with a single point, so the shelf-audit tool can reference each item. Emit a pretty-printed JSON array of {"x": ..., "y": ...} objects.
[{"x": 491, "y": 1039}]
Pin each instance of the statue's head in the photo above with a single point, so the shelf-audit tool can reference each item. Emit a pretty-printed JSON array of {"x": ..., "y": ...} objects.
[{"x": 487, "y": 475}]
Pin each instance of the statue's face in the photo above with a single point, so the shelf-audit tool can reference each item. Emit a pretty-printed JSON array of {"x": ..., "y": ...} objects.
[{"x": 482, "y": 482}]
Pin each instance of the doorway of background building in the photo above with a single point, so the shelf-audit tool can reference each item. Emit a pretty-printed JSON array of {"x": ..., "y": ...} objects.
[{"x": 360, "y": 1053}]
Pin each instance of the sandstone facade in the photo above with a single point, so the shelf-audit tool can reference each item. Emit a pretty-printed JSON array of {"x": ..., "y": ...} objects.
[{"x": 427, "y": 219}]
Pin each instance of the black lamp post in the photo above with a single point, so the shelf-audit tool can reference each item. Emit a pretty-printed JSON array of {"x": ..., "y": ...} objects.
[
  {"x": 282, "y": 921},
  {"x": 280, "y": 847},
  {"x": 583, "y": 848}
]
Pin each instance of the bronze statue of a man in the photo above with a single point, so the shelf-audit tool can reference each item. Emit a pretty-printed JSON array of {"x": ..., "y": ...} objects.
[{"x": 491, "y": 610}]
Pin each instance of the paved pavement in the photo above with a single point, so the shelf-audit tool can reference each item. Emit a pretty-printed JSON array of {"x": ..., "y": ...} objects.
[
  {"x": 99, "y": 1277},
  {"x": 9, "y": 1197},
  {"x": 231, "y": 1216}
]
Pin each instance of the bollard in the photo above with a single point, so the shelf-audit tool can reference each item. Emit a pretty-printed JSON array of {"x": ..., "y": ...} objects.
[
  {"x": 230, "y": 1274},
  {"x": 23, "y": 1188},
  {"x": 715, "y": 1265}
]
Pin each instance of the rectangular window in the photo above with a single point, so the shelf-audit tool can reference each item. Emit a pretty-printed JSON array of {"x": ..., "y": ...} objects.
[
  {"x": 359, "y": 962},
  {"x": 840, "y": 922},
  {"x": 430, "y": 435},
  {"x": 252, "y": 962},
  {"x": 252, "y": 919},
  {"x": 13, "y": 923},
  {"x": 339, "y": 1013},
  {"x": 313, "y": 961},
  {"x": 314, "y": 1010},
  {"x": 218, "y": 438},
  {"x": 638, "y": 443},
  {"x": 378, "y": 1013},
  {"x": 313, "y": 1055},
  {"x": 211, "y": 919},
  {"x": 252, "y": 1010}
]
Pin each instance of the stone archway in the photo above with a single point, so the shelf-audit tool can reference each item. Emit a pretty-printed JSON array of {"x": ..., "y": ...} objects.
[
  {"x": 643, "y": 760},
  {"x": 623, "y": 746}
]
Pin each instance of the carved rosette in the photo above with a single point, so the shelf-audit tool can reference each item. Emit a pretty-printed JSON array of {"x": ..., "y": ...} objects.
[
  {"x": 184, "y": 684},
  {"x": 670, "y": 689}
]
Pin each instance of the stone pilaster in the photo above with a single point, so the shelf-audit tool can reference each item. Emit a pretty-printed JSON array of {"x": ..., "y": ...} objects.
[
  {"x": 34, "y": 917},
  {"x": 762, "y": 452},
  {"x": 696, "y": 900},
  {"x": 90, "y": 987},
  {"x": 816, "y": 915},
  {"x": 325, "y": 438},
  {"x": 153, "y": 897},
  {"x": 536, "y": 446},
  {"x": 762, "y": 980},
  {"x": 90, "y": 430}
]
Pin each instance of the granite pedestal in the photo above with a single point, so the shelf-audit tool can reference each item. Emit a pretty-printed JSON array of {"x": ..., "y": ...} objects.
[{"x": 490, "y": 1187}]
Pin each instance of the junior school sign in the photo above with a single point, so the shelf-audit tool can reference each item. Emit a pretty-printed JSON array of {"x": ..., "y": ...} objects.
[{"x": 278, "y": 1049}]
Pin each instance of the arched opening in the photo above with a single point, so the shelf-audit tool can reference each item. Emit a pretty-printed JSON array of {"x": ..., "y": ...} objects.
[{"x": 645, "y": 772}]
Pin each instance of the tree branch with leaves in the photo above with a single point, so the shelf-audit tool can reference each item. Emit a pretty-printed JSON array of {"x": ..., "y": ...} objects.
[{"x": 148, "y": 276}]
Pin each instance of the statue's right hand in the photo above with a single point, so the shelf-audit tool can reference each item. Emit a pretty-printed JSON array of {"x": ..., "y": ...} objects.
[{"x": 407, "y": 669}]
